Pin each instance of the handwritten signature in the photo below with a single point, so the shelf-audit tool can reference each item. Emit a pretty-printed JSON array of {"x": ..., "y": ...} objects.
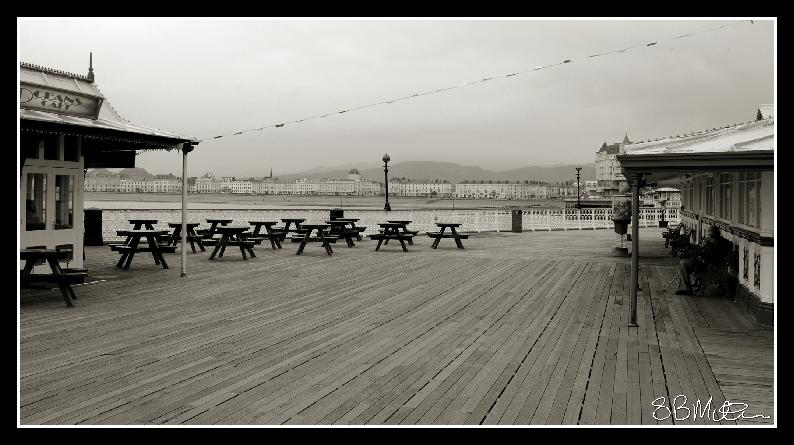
[{"x": 680, "y": 411}]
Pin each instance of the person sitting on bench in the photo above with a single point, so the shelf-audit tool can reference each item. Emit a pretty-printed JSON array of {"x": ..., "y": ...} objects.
[{"x": 714, "y": 251}]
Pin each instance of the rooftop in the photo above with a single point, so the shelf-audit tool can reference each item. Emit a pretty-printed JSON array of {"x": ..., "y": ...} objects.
[
  {"x": 107, "y": 119},
  {"x": 747, "y": 136},
  {"x": 518, "y": 328}
]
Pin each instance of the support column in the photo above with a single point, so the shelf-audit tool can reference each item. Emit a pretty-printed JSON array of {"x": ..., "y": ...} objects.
[
  {"x": 186, "y": 148},
  {"x": 636, "y": 179}
]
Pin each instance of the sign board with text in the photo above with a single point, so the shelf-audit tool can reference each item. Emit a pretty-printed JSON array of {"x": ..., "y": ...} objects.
[{"x": 58, "y": 101}]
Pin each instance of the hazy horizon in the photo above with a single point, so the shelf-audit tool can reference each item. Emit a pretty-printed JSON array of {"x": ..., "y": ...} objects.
[
  {"x": 346, "y": 166},
  {"x": 208, "y": 77}
]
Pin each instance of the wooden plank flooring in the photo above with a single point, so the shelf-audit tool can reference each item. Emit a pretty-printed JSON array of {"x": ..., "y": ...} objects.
[{"x": 516, "y": 329}]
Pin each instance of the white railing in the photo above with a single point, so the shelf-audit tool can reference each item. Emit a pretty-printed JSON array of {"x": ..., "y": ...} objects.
[{"x": 484, "y": 220}]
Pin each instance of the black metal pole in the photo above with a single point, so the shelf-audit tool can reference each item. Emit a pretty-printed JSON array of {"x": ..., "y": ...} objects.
[
  {"x": 387, "y": 207},
  {"x": 636, "y": 178},
  {"x": 578, "y": 193}
]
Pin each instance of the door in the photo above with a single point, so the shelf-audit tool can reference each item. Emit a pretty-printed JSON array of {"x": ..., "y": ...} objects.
[{"x": 51, "y": 214}]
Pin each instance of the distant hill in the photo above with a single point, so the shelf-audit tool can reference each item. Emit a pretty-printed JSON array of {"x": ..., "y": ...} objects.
[{"x": 456, "y": 172}]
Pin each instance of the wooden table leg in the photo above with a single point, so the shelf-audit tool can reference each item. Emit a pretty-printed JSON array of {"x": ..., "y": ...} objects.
[
  {"x": 304, "y": 241},
  {"x": 156, "y": 249},
  {"x": 192, "y": 232},
  {"x": 380, "y": 240},
  {"x": 405, "y": 232},
  {"x": 223, "y": 245},
  {"x": 29, "y": 263},
  {"x": 175, "y": 237},
  {"x": 66, "y": 289},
  {"x": 242, "y": 248},
  {"x": 440, "y": 234},
  {"x": 457, "y": 238},
  {"x": 134, "y": 246},
  {"x": 221, "y": 241},
  {"x": 327, "y": 245}
]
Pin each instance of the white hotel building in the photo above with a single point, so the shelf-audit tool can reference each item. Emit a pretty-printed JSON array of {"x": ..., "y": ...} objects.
[
  {"x": 502, "y": 190},
  {"x": 408, "y": 188}
]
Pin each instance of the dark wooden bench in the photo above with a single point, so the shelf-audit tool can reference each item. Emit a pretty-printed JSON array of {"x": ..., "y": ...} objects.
[
  {"x": 163, "y": 248},
  {"x": 65, "y": 277},
  {"x": 299, "y": 238},
  {"x": 380, "y": 237},
  {"x": 446, "y": 235}
]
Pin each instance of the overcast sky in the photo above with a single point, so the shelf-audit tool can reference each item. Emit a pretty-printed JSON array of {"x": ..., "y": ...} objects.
[{"x": 208, "y": 77}]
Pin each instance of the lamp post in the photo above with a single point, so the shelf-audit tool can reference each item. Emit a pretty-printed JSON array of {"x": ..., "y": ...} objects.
[
  {"x": 386, "y": 160},
  {"x": 578, "y": 193}
]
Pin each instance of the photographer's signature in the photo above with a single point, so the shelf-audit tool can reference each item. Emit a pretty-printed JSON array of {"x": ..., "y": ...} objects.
[{"x": 680, "y": 411}]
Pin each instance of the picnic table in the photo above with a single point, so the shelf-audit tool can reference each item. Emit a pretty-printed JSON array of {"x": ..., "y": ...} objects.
[
  {"x": 208, "y": 234},
  {"x": 192, "y": 237},
  {"x": 322, "y": 236},
  {"x": 391, "y": 230},
  {"x": 353, "y": 226},
  {"x": 339, "y": 228},
  {"x": 137, "y": 224},
  {"x": 454, "y": 234},
  {"x": 233, "y": 236},
  {"x": 288, "y": 221},
  {"x": 405, "y": 230},
  {"x": 270, "y": 234},
  {"x": 132, "y": 246},
  {"x": 142, "y": 223},
  {"x": 64, "y": 278}
]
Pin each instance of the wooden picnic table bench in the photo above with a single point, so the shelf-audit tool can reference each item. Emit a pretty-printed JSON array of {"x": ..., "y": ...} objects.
[
  {"x": 340, "y": 230},
  {"x": 391, "y": 231},
  {"x": 454, "y": 234},
  {"x": 353, "y": 221},
  {"x": 271, "y": 234},
  {"x": 322, "y": 236},
  {"x": 192, "y": 237},
  {"x": 63, "y": 278},
  {"x": 129, "y": 249},
  {"x": 233, "y": 236}
]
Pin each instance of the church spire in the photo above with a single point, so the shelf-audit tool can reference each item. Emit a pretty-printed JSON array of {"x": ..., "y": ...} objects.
[
  {"x": 626, "y": 139},
  {"x": 271, "y": 172}
]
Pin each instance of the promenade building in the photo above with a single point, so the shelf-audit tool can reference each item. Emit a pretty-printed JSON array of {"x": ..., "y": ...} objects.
[
  {"x": 727, "y": 179},
  {"x": 67, "y": 126},
  {"x": 438, "y": 188},
  {"x": 608, "y": 173},
  {"x": 503, "y": 190}
]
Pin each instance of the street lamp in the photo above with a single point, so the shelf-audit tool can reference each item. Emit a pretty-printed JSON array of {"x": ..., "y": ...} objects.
[
  {"x": 386, "y": 160},
  {"x": 578, "y": 193}
]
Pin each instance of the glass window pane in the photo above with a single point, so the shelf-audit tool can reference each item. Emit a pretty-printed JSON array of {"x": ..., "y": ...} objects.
[
  {"x": 726, "y": 183},
  {"x": 752, "y": 204},
  {"x": 710, "y": 194},
  {"x": 64, "y": 201},
  {"x": 36, "y": 201}
]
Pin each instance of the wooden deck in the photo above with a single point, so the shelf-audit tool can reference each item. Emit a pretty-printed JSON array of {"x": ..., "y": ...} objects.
[{"x": 526, "y": 328}]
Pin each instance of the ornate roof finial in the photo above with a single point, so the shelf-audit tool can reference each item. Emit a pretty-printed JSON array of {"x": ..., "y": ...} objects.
[{"x": 90, "y": 67}]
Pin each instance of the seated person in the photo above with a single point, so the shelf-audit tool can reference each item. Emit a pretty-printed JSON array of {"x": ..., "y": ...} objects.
[{"x": 713, "y": 252}]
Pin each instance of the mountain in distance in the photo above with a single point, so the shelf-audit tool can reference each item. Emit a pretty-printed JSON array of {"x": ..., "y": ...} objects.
[
  {"x": 341, "y": 167},
  {"x": 455, "y": 172}
]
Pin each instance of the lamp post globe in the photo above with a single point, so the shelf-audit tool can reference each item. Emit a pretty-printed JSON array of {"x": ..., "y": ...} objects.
[{"x": 386, "y": 160}]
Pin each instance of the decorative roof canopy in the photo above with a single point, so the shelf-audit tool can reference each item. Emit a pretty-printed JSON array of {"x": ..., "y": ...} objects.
[{"x": 52, "y": 99}]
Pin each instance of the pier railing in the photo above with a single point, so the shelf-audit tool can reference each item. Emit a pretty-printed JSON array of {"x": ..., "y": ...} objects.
[{"x": 478, "y": 220}]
